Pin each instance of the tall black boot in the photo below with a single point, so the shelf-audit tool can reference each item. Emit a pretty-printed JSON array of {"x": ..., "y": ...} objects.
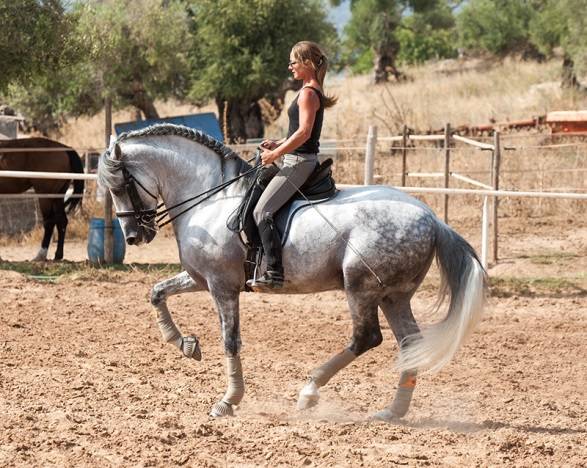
[{"x": 273, "y": 277}]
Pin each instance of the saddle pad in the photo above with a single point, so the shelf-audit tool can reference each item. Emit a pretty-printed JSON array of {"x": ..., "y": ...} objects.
[{"x": 284, "y": 217}]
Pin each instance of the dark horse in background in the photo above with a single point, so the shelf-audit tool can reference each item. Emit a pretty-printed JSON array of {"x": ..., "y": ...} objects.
[{"x": 53, "y": 210}]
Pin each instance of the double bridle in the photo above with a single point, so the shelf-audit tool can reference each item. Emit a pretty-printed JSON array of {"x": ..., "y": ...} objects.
[{"x": 144, "y": 217}]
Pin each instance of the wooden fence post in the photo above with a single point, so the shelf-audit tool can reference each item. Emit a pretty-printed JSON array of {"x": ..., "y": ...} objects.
[
  {"x": 404, "y": 154},
  {"x": 108, "y": 234},
  {"x": 496, "y": 162},
  {"x": 370, "y": 154},
  {"x": 446, "y": 167}
]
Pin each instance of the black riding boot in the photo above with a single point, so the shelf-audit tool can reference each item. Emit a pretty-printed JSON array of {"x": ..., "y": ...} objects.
[{"x": 273, "y": 277}]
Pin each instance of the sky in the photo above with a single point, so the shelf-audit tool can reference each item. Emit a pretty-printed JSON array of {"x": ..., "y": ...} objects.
[{"x": 340, "y": 15}]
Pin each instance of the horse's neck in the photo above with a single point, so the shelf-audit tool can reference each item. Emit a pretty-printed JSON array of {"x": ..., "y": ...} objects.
[{"x": 185, "y": 169}]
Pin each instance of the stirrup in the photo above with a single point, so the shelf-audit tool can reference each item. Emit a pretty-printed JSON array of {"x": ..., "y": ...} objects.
[{"x": 270, "y": 280}]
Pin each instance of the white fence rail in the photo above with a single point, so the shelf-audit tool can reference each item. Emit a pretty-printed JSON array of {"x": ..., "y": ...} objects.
[{"x": 486, "y": 191}]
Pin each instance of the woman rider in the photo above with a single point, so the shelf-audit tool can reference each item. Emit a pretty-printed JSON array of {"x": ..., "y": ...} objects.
[{"x": 299, "y": 153}]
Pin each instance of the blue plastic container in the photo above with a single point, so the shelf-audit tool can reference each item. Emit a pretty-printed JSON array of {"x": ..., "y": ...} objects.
[{"x": 96, "y": 241}]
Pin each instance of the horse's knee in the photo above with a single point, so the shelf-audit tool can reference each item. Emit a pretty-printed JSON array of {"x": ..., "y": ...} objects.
[{"x": 366, "y": 340}]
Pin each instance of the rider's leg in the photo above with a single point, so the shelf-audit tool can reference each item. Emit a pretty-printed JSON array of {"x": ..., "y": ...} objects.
[{"x": 279, "y": 191}]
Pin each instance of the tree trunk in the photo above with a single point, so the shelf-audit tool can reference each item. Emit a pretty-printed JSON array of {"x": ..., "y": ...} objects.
[
  {"x": 386, "y": 51},
  {"x": 141, "y": 100},
  {"x": 243, "y": 119},
  {"x": 569, "y": 78},
  {"x": 385, "y": 66},
  {"x": 272, "y": 103}
]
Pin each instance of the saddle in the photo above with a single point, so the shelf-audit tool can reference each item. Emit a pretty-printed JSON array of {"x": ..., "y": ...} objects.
[{"x": 319, "y": 187}]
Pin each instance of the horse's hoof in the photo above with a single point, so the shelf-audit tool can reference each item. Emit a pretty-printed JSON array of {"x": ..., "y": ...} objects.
[
  {"x": 389, "y": 415},
  {"x": 386, "y": 415},
  {"x": 309, "y": 396},
  {"x": 221, "y": 410},
  {"x": 41, "y": 256},
  {"x": 190, "y": 347}
]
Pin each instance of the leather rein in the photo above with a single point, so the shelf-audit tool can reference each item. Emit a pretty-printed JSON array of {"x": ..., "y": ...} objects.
[{"x": 144, "y": 217}]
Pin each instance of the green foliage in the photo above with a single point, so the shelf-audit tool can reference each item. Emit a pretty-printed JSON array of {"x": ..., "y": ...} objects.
[
  {"x": 497, "y": 26},
  {"x": 132, "y": 46},
  {"x": 428, "y": 34},
  {"x": 562, "y": 23},
  {"x": 412, "y": 31},
  {"x": 33, "y": 38},
  {"x": 366, "y": 29},
  {"x": 363, "y": 63},
  {"x": 120, "y": 48},
  {"x": 241, "y": 48},
  {"x": 425, "y": 45}
]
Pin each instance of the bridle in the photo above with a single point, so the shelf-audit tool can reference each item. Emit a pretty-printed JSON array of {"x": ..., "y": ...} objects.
[{"x": 144, "y": 217}]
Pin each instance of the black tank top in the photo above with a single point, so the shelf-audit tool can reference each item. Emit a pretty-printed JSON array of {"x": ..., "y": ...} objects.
[{"x": 312, "y": 144}]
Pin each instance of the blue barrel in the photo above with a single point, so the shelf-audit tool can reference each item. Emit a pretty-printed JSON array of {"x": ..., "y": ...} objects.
[{"x": 96, "y": 241}]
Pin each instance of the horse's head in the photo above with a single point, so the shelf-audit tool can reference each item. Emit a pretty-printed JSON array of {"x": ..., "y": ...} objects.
[{"x": 134, "y": 195}]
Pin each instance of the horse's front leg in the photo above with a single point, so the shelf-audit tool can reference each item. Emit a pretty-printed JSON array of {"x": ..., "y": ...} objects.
[
  {"x": 179, "y": 284},
  {"x": 227, "y": 303}
]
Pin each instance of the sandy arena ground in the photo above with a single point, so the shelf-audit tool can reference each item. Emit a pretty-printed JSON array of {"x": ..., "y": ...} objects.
[{"x": 85, "y": 379}]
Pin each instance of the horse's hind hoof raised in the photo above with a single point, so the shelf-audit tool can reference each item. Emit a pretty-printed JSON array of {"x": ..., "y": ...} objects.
[
  {"x": 190, "y": 347},
  {"x": 221, "y": 410}
]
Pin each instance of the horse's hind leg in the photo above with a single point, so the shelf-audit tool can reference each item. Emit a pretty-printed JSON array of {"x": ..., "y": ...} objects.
[
  {"x": 398, "y": 313},
  {"x": 179, "y": 284},
  {"x": 46, "y": 207},
  {"x": 366, "y": 335},
  {"x": 61, "y": 222}
]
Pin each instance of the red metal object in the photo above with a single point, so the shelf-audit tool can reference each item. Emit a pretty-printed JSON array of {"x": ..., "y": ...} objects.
[{"x": 567, "y": 121}]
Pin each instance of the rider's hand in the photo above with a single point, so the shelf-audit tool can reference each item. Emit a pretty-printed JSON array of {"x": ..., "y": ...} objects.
[
  {"x": 268, "y": 157},
  {"x": 269, "y": 144}
]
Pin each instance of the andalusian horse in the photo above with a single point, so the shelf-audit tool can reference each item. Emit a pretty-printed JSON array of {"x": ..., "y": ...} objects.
[
  {"x": 376, "y": 243},
  {"x": 53, "y": 210}
]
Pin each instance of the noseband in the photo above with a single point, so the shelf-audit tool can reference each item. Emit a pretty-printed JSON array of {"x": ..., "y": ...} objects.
[{"x": 143, "y": 217}]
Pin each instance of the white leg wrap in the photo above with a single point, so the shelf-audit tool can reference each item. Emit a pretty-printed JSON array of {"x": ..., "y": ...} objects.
[
  {"x": 236, "y": 385},
  {"x": 169, "y": 330},
  {"x": 403, "y": 397},
  {"x": 326, "y": 371},
  {"x": 41, "y": 255}
]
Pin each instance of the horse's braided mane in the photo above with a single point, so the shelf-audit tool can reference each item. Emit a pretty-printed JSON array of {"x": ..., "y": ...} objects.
[{"x": 198, "y": 136}]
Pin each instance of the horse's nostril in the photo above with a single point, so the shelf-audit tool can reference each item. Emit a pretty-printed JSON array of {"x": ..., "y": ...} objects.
[{"x": 130, "y": 240}]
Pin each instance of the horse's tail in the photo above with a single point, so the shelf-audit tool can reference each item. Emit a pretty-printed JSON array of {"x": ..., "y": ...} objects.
[
  {"x": 75, "y": 163},
  {"x": 464, "y": 280}
]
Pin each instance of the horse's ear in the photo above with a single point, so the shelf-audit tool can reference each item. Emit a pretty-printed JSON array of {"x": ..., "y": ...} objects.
[{"x": 117, "y": 152}]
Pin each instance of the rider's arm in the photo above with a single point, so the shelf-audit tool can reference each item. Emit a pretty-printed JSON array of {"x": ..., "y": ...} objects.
[{"x": 308, "y": 103}]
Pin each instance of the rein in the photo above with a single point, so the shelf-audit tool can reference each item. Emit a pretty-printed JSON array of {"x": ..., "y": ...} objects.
[
  {"x": 144, "y": 217},
  {"x": 210, "y": 193}
]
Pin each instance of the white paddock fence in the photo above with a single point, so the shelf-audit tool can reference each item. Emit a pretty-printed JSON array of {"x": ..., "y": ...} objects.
[{"x": 486, "y": 191}]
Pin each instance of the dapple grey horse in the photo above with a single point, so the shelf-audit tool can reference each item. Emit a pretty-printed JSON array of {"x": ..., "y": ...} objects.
[{"x": 374, "y": 242}]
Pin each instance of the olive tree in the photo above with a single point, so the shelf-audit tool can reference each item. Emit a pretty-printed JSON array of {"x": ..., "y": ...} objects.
[
  {"x": 33, "y": 37},
  {"x": 240, "y": 55}
]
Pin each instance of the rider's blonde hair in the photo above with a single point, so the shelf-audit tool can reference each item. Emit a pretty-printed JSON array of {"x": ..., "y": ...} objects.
[{"x": 310, "y": 53}]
